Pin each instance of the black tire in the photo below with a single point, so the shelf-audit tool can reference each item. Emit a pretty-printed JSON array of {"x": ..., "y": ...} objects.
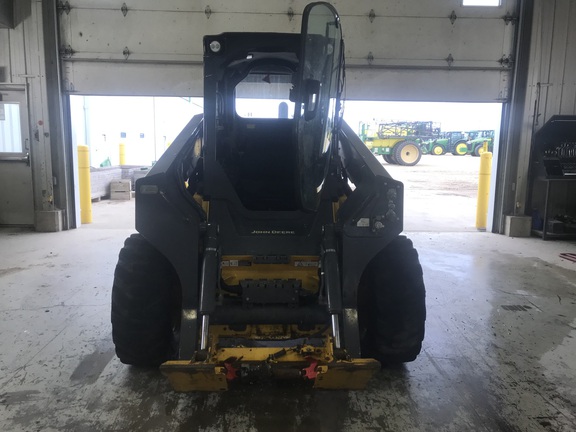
[
  {"x": 407, "y": 153},
  {"x": 392, "y": 305},
  {"x": 390, "y": 159},
  {"x": 477, "y": 150},
  {"x": 145, "y": 305}
]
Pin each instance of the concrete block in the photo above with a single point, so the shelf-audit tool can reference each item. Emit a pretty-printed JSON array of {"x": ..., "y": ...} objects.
[
  {"x": 121, "y": 195},
  {"x": 48, "y": 221},
  {"x": 121, "y": 190},
  {"x": 518, "y": 226},
  {"x": 120, "y": 186}
]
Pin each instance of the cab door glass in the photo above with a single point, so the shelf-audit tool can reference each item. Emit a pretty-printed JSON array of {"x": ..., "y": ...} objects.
[{"x": 317, "y": 87}]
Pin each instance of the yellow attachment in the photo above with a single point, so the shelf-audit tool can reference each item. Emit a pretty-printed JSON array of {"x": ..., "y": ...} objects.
[
  {"x": 270, "y": 333},
  {"x": 297, "y": 360},
  {"x": 235, "y": 268},
  {"x": 266, "y": 332},
  {"x": 351, "y": 375},
  {"x": 187, "y": 376}
]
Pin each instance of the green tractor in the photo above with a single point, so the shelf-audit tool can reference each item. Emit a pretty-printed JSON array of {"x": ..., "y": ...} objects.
[
  {"x": 449, "y": 142},
  {"x": 399, "y": 142},
  {"x": 475, "y": 144}
]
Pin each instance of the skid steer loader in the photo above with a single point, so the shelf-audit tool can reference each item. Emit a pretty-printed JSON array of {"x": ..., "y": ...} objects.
[{"x": 269, "y": 247}]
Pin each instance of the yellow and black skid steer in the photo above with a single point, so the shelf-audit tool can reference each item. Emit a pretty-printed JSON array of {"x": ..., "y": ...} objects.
[{"x": 268, "y": 237}]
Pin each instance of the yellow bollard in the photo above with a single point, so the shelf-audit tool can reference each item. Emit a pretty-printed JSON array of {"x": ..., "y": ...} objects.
[
  {"x": 483, "y": 188},
  {"x": 85, "y": 188},
  {"x": 122, "y": 150}
]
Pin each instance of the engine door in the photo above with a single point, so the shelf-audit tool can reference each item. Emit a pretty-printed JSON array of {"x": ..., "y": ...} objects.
[{"x": 317, "y": 88}]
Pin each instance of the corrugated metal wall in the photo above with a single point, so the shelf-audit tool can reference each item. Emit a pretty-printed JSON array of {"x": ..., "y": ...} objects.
[{"x": 551, "y": 78}]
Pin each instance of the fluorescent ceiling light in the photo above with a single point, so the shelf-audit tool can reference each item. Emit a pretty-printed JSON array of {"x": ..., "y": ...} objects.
[{"x": 481, "y": 2}]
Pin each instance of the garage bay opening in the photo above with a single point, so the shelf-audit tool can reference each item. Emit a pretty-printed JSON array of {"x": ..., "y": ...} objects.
[{"x": 433, "y": 148}]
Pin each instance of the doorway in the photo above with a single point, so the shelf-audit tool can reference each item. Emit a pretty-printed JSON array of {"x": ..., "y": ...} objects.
[
  {"x": 16, "y": 191},
  {"x": 441, "y": 188}
]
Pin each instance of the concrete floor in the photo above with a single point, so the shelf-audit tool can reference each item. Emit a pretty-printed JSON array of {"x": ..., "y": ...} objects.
[{"x": 499, "y": 353}]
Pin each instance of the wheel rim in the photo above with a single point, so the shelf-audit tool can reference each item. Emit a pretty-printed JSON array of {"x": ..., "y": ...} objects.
[
  {"x": 437, "y": 150},
  {"x": 480, "y": 150},
  {"x": 410, "y": 154},
  {"x": 461, "y": 149}
]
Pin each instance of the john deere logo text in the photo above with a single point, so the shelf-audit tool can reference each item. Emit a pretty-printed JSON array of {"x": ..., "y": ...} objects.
[{"x": 272, "y": 232}]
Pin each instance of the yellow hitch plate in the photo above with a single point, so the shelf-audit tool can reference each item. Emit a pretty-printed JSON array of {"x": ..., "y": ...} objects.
[
  {"x": 269, "y": 351},
  {"x": 350, "y": 375},
  {"x": 186, "y": 376}
]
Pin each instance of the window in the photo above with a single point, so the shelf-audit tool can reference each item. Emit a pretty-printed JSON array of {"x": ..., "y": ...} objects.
[
  {"x": 10, "y": 133},
  {"x": 265, "y": 94}
]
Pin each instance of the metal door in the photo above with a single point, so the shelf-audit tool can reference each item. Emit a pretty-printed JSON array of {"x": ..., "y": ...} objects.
[
  {"x": 16, "y": 195},
  {"x": 318, "y": 89},
  {"x": 396, "y": 50}
]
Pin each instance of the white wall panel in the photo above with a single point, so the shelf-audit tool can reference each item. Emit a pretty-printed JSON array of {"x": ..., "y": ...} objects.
[
  {"x": 435, "y": 85},
  {"x": 105, "y": 33},
  {"x": 424, "y": 39},
  {"x": 409, "y": 36},
  {"x": 361, "y": 83},
  {"x": 132, "y": 79}
]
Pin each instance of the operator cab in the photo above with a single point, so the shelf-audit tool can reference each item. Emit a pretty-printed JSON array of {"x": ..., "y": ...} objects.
[
  {"x": 270, "y": 113},
  {"x": 254, "y": 143}
]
